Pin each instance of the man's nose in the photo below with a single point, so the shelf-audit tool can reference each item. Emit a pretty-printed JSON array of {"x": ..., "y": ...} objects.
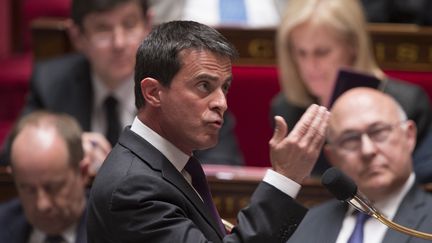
[
  {"x": 43, "y": 201},
  {"x": 368, "y": 147},
  {"x": 219, "y": 100}
]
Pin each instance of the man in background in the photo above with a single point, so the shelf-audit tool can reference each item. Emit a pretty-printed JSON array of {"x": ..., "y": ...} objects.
[
  {"x": 50, "y": 173},
  {"x": 95, "y": 85},
  {"x": 371, "y": 141}
]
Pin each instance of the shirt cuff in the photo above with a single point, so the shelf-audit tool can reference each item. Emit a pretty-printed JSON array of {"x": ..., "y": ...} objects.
[{"x": 283, "y": 183}]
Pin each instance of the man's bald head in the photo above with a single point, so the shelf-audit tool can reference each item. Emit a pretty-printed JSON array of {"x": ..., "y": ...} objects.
[{"x": 371, "y": 141}]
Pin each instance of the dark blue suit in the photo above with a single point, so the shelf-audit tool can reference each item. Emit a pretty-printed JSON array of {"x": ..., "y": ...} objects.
[{"x": 14, "y": 227}]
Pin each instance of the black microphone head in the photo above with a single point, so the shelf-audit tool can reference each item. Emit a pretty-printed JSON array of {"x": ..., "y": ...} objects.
[{"x": 339, "y": 184}]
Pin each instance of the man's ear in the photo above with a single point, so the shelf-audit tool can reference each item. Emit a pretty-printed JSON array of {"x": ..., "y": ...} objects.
[
  {"x": 150, "y": 89},
  {"x": 411, "y": 134},
  {"x": 148, "y": 21},
  {"x": 84, "y": 167},
  {"x": 75, "y": 35}
]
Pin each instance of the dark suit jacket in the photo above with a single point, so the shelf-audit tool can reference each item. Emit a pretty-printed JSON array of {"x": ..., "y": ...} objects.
[
  {"x": 14, "y": 227},
  {"x": 325, "y": 221},
  {"x": 139, "y": 196},
  {"x": 412, "y": 98},
  {"x": 64, "y": 85}
]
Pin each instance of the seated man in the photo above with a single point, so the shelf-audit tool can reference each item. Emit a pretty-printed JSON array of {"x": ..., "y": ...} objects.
[
  {"x": 371, "y": 141},
  {"x": 50, "y": 173}
]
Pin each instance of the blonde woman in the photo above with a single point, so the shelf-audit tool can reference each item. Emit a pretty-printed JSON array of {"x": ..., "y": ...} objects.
[{"x": 318, "y": 37}]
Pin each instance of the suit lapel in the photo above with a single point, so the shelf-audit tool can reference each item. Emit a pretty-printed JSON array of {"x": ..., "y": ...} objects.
[
  {"x": 409, "y": 214},
  {"x": 158, "y": 162},
  {"x": 337, "y": 214}
]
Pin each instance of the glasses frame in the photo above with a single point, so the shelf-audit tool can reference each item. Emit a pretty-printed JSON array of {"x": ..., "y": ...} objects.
[{"x": 368, "y": 132}]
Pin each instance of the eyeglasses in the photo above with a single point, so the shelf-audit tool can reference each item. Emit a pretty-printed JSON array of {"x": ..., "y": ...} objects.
[
  {"x": 104, "y": 36},
  {"x": 352, "y": 141}
]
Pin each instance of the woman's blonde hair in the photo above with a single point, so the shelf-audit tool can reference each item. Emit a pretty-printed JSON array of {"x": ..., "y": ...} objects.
[{"x": 345, "y": 17}]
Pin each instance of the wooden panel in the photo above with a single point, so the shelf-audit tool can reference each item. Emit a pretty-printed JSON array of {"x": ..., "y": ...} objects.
[
  {"x": 396, "y": 46},
  {"x": 7, "y": 187},
  {"x": 231, "y": 188}
]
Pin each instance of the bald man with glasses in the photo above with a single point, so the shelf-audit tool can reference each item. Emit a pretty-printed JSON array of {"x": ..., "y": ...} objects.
[{"x": 370, "y": 139}]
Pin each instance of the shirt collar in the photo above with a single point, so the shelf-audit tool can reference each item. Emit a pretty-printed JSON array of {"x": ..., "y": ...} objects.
[
  {"x": 171, "y": 152},
  {"x": 122, "y": 93},
  {"x": 69, "y": 234},
  {"x": 389, "y": 206}
]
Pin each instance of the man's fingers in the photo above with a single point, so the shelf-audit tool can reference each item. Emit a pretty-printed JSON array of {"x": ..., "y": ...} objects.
[
  {"x": 280, "y": 130},
  {"x": 303, "y": 125},
  {"x": 314, "y": 134}
]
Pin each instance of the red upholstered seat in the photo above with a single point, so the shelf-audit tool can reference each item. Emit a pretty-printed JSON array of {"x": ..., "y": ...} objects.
[
  {"x": 249, "y": 99},
  {"x": 15, "y": 68}
]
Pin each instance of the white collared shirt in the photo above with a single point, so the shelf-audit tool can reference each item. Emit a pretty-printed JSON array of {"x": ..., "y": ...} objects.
[
  {"x": 374, "y": 230},
  {"x": 126, "y": 104},
  {"x": 259, "y": 13},
  {"x": 37, "y": 236},
  {"x": 179, "y": 159}
]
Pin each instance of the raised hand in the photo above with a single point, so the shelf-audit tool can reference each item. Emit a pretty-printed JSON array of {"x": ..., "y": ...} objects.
[{"x": 295, "y": 155}]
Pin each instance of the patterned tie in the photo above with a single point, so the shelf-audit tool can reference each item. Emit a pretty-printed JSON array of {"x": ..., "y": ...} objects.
[
  {"x": 199, "y": 182},
  {"x": 54, "y": 239},
  {"x": 232, "y": 12},
  {"x": 357, "y": 234},
  {"x": 112, "y": 118}
]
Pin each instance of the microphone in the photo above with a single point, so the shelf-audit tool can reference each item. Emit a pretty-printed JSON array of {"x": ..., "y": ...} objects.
[{"x": 344, "y": 189}]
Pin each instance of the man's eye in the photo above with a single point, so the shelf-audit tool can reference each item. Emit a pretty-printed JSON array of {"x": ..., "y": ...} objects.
[
  {"x": 204, "y": 86},
  {"x": 225, "y": 88}
]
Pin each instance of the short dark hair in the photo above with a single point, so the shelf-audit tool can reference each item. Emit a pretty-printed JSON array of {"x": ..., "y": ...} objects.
[
  {"x": 158, "y": 55},
  {"x": 66, "y": 127},
  {"x": 81, "y": 8}
]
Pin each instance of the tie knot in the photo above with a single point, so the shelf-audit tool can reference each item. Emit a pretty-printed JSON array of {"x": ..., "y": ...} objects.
[
  {"x": 193, "y": 166},
  {"x": 361, "y": 218},
  {"x": 110, "y": 101},
  {"x": 54, "y": 239}
]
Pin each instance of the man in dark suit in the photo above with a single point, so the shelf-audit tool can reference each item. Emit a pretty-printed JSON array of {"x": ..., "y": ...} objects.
[
  {"x": 371, "y": 140},
  {"x": 152, "y": 189},
  {"x": 50, "y": 173},
  {"x": 95, "y": 86}
]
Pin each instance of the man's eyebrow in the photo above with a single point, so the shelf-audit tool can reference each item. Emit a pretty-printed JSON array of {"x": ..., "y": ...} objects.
[{"x": 206, "y": 76}]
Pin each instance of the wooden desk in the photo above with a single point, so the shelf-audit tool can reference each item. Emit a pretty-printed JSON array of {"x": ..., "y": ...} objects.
[
  {"x": 7, "y": 186},
  {"x": 396, "y": 46},
  {"x": 231, "y": 187}
]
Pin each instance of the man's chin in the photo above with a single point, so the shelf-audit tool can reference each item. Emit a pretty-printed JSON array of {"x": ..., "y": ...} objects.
[{"x": 209, "y": 143}]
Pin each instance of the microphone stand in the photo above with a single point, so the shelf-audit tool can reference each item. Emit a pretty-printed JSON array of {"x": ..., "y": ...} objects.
[
  {"x": 345, "y": 190},
  {"x": 363, "y": 205}
]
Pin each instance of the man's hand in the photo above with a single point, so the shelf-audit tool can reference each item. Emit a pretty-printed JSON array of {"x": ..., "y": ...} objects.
[
  {"x": 295, "y": 155},
  {"x": 96, "y": 148}
]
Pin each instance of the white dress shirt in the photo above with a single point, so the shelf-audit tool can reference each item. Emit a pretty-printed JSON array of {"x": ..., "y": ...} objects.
[
  {"x": 179, "y": 159},
  {"x": 259, "y": 13},
  {"x": 374, "y": 230},
  {"x": 125, "y": 106},
  {"x": 38, "y": 236}
]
